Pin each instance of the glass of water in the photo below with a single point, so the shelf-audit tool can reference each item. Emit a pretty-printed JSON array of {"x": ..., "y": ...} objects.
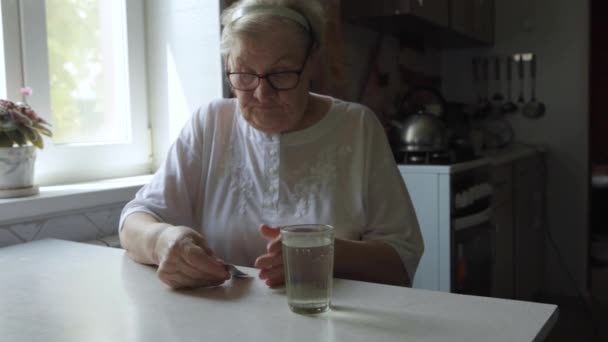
[{"x": 308, "y": 261}]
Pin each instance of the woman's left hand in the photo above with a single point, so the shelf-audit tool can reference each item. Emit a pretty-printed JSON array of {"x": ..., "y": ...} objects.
[{"x": 271, "y": 263}]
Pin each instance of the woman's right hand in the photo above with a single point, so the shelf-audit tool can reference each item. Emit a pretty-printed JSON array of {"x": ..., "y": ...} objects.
[{"x": 185, "y": 261}]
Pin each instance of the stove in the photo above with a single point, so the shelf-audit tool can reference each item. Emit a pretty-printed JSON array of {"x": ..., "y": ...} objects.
[
  {"x": 427, "y": 158},
  {"x": 447, "y": 157}
]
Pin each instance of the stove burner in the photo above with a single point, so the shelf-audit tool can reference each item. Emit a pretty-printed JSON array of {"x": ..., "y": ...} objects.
[{"x": 428, "y": 158}]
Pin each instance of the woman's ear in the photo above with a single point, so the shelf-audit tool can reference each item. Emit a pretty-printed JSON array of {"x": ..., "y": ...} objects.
[
  {"x": 319, "y": 71},
  {"x": 317, "y": 66}
]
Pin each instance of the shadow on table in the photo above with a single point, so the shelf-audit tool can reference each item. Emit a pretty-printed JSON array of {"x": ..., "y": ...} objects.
[
  {"x": 387, "y": 322},
  {"x": 155, "y": 312},
  {"x": 134, "y": 275},
  {"x": 232, "y": 289}
]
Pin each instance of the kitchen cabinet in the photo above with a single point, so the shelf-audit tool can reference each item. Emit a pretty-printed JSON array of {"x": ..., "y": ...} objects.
[
  {"x": 473, "y": 18},
  {"x": 528, "y": 229},
  {"x": 434, "y": 11},
  {"x": 503, "y": 221},
  {"x": 519, "y": 207},
  {"x": 448, "y": 23},
  {"x": 433, "y": 189}
]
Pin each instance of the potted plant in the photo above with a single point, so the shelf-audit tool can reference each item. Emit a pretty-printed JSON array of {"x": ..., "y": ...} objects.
[{"x": 21, "y": 131}]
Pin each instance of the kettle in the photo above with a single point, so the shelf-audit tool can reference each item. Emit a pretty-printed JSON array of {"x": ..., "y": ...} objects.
[{"x": 423, "y": 130}]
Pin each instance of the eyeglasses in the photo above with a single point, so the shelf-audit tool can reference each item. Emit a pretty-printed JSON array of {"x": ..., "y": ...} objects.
[{"x": 282, "y": 80}]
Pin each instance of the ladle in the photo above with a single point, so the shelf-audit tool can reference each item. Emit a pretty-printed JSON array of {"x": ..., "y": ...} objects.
[
  {"x": 533, "y": 109},
  {"x": 509, "y": 106}
]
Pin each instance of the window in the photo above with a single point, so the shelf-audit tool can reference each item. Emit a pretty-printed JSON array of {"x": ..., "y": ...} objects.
[
  {"x": 85, "y": 61},
  {"x": 87, "y": 71}
]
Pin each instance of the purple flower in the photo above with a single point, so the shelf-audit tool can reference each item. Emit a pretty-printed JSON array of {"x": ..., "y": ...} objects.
[
  {"x": 26, "y": 91},
  {"x": 20, "y": 124}
]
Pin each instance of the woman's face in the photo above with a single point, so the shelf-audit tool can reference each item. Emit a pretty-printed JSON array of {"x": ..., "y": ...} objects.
[{"x": 267, "y": 109}]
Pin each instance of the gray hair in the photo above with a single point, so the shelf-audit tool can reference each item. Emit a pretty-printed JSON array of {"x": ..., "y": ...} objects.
[{"x": 233, "y": 29}]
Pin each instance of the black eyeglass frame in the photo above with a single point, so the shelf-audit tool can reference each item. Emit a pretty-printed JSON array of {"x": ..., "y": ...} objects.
[{"x": 267, "y": 75}]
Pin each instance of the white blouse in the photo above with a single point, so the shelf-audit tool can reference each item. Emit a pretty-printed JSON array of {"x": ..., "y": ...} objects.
[{"x": 224, "y": 178}]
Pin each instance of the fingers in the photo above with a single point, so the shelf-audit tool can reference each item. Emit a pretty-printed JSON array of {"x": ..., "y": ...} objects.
[
  {"x": 200, "y": 274},
  {"x": 269, "y": 232},
  {"x": 273, "y": 276},
  {"x": 271, "y": 263},
  {"x": 275, "y": 246},
  {"x": 186, "y": 263},
  {"x": 200, "y": 262},
  {"x": 200, "y": 241},
  {"x": 268, "y": 260},
  {"x": 179, "y": 280},
  {"x": 271, "y": 269}
]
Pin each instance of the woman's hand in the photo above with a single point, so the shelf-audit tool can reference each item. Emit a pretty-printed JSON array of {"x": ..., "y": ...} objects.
[
  {"x": 271, "y": 263},
  {"x": 185, "y": 261}
]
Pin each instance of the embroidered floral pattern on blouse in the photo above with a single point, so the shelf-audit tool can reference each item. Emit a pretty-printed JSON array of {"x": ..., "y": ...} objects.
[
  {"x": 241, "y": 183},
  {"x": 317, "y": 176}
]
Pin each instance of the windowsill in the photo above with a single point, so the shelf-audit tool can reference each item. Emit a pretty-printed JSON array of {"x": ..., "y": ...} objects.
[{"x": 66, "y": 198}]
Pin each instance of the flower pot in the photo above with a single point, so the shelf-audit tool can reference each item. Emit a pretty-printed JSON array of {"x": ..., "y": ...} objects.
[{"x": 17, "y": 171}]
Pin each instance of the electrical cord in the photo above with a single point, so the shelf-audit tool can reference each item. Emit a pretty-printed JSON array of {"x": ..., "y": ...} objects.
[{"x": 587, "y": 305}]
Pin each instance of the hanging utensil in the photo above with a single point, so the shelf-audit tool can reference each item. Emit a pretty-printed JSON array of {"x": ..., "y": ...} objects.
[
  {"x": 497, "y": 97},
  {"x": 482, "y": 105},
  {"x": 533, "y": 109},
  {"x": 475, "y": 69},
  {"x": 520, "y": 69},
  {"x": 509, "y": 106},
  {"x": 485, "y": 106}
]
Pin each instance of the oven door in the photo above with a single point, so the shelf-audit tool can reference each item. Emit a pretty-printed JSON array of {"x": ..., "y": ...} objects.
[{"x": 473, "y": 254}]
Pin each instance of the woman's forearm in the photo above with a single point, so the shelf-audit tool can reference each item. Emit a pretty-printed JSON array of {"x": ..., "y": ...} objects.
[
  {"x": 373, "y": 261},
  {"x": 139, "y": 236}
]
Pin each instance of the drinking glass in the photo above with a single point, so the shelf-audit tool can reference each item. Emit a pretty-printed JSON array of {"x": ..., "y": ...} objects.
[{"x": 308, "y": 261}]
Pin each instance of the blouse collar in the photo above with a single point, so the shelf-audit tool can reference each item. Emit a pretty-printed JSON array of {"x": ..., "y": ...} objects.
[{"x": 302, "y": 136}]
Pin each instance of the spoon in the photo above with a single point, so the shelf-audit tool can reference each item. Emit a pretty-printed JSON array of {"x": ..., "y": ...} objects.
[
  {"x": 235, "y": 272},
  {"x": 533, "y": 109},
  {"x": 509, "y": 106}
]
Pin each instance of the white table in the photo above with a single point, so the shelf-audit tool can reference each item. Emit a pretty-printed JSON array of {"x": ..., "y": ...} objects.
[{"x": 53, "y": 290}]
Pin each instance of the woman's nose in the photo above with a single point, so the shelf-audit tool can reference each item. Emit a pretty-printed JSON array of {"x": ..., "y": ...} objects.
[{"x": 264, "y": 89}]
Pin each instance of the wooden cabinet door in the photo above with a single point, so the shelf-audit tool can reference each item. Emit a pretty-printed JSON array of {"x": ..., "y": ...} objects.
[
  {"x": 367, "y": 8},
  {"x": 502, "y": 284},
  {"x": 502, "y": 181},
  {"x": 528, "y": 228},
  {"x": 483, "y": 20},
  {"x": 462, "y": 16},
  {"x": 435, "y": 11},
  {"x": 473, "y": 18}
]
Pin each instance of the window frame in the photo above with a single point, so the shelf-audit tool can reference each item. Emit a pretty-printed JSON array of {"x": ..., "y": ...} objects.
[{"x": 26, "y": 63}]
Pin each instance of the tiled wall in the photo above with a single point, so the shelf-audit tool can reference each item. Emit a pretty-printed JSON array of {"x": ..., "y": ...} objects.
[{"x": 85, "y": 225}]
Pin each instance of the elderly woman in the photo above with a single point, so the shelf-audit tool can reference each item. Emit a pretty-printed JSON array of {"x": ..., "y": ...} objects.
[{"x": 276, "y": 155}]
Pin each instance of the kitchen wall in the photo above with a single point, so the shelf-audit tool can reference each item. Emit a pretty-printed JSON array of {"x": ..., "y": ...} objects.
[
  {"x": 82, "y": 225},
  {"x": 558, "y": 32},
  {"x": 378, "y": 69},
  {"x": 182, "y": 41}
]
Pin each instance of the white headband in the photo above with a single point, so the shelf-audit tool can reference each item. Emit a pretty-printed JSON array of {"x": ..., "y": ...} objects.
[{"x": 278, "y": 11}]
